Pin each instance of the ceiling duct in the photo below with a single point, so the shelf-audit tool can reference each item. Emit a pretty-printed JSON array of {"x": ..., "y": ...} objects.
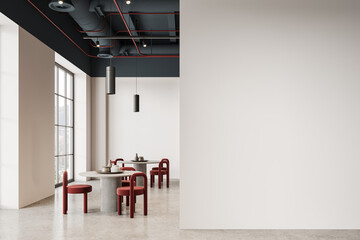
[
  {"x": 90, "y": 21},
  {"x": 141, "y": 6},
  {"x": 155, "y": 49}
]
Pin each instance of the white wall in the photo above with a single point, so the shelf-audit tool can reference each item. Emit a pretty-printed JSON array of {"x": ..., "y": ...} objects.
[
  {"x": 36, "y": 119},
  {"x": 9, "y": 114},
  {"x": 270, "y": 114},
  {"x": 82, "y": 117},
  {"x": 98, "y": 123},
  {"x": 154, "y": 131}
]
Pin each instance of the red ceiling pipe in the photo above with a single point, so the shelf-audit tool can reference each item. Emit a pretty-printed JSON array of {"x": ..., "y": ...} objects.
[{"x": 137, "y": 49}]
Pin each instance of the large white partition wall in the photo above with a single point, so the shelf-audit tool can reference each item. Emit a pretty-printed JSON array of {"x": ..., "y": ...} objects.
[
  {"x": 153, "y": 132},
  {"x": 270, "y": 114},
  {"x": 36, "y": 119},
  {"x": 9, "y": 114},
  {"x": 27, "y": 117}
]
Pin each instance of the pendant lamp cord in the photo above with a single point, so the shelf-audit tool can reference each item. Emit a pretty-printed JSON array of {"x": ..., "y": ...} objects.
[
  {"x": 109, "y": 35},
  {"x": 136, "y": 62}
]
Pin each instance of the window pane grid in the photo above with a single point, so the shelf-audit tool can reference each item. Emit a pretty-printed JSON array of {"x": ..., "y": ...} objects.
[{"x": 64, "y": 120}]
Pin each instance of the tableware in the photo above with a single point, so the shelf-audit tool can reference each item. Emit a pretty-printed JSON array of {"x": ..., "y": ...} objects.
[
  {"x": 115, "y": 168},
  {"x": 101, "y": 172},
  {"x": 105, "y": 169}
]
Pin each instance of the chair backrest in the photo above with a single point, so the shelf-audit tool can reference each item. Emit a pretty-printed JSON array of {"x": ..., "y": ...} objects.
[
  {"x": 133, "y": 180},
  {"x": 164, "y": 161},
  {"x": 65, "y": 182},
  {"x": 127, "y": 169},
  {"x": 116, "y": 160}
]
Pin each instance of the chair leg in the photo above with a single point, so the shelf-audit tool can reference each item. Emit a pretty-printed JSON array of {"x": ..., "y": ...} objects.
[
  {"x": 127, "y": 201},
  {"x": 151, "y": 180},
  {"x": 132, "y": 207},
  {"x": 65, "y": 203},
  {"x": 167, "y": 180},
  {"x": 159, "y": 180},
  {"x": 145, "y": 203},
  {"x": 119, "y": 201},
  {"x": 85, "y": 203}
]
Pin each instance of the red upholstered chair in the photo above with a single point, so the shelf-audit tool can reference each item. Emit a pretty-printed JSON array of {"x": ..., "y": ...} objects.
[
  {"x": 133, "y": 191},
  {"x": 125, "y": 181},
  {"x": 161, "y": 173},
  {"x": 116, "y": 160},
  {"x": 74, "y": 189}
]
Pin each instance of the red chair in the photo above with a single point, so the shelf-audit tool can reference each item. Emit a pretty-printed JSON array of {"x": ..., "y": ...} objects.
[
  {"x": 133, "y": 191},
  {"x": 74, "y": 189},
  {"x": 163, "y": 171},
  {"x": 116, "y": 160},
  {"x": 125, "y": 181}
]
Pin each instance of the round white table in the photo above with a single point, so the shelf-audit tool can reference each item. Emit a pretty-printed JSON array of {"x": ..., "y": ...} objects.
[
  {"x": 108, "y": 185},
  {"x": 140, "y": 166}
]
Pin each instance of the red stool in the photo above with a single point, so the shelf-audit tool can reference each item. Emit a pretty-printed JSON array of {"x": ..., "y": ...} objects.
[
  {"x": 161, "y": 173},
  {"x": 74, "y": 189},
  {"x": 116, "y": 160},
  {"x": 133, "y": 191}
]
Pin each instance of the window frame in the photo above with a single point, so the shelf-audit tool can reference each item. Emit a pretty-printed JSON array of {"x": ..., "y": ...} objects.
[{"x": 66, "y": 125}]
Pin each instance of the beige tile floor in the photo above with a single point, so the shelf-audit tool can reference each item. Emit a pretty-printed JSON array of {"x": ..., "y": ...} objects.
[{"x": 44, "y": 220}]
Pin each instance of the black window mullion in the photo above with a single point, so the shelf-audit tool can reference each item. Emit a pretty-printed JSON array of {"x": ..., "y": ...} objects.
[{"x": 65, "y": 157}]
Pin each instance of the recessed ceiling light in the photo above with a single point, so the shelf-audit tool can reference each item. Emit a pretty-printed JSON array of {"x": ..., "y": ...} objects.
[
  {"x": 61, "y": 5},
  {"x": 128, "y": 2}
]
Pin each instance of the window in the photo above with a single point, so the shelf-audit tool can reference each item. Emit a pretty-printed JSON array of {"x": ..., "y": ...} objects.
[{"x": 64, "y": 124}]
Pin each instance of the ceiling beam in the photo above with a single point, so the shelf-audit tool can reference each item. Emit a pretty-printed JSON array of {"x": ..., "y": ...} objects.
[{"x": 130, "y": 37}]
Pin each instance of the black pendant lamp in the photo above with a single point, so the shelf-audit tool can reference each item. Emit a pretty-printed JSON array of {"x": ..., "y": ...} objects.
[
  {"x": 110, "y": 79},
  {"x": 136, "y": 96}
]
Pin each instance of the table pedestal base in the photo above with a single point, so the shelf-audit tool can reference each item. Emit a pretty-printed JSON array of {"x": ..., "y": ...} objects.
[
  {"x": 141, "y": 168},
  {"x": 108, "y": 194}
]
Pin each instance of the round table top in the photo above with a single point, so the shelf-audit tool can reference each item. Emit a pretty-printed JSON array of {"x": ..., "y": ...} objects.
[
  {"x": 107, "y": 175},
  {"x": 140, "y": 162}
]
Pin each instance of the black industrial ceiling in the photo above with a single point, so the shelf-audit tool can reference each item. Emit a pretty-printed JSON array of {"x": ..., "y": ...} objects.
[{"x": 153, "y": 24}]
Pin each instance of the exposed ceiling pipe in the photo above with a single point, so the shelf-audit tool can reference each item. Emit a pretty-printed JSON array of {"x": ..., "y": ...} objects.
[
  {"x": 133, "y": 40},
  {"x": 82, "y": 50},
  {"x": 141, "y": 6},
  {"x": 157, "y": 49},
  {"x": 127, "y": 27},
  {"x": 89, "y": 21}
]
